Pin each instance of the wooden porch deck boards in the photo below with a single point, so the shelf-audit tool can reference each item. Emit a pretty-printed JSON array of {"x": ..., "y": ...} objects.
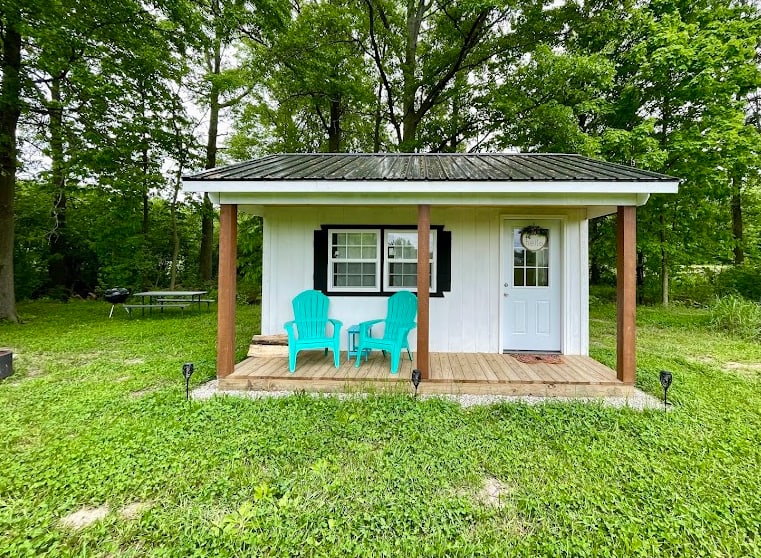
[{"x": 451, "y": 373}]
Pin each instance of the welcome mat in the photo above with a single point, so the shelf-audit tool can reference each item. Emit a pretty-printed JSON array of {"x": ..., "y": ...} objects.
[{"x": 530, "y": 358}]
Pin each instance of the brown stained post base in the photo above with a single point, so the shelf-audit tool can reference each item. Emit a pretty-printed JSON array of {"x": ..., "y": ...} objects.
[
  {"x": 423, "y": 286},
  {"x": 228, "y": 239},
  {"x": 626, "y": 299}
]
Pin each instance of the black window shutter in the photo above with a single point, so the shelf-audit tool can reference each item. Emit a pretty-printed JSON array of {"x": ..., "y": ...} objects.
[
  {"x": 321, "y": 260},
  {"x": 444, "y": 261}
]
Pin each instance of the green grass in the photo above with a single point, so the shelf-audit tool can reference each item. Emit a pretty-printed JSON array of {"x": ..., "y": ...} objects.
[{"x": 95, "y": 415}]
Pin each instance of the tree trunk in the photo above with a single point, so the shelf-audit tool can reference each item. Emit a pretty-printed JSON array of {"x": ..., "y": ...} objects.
[
  {"x": 207, "y": 209},
  {"x": 334, "y": 127},
  {"x": 410, "y": 117},
  {"x": 378, "y": 120},
  {"x": 10, "y": 111},
  {"x": 146, "y": 199},
  {"x": 640, "y": 277},
  {"x": 59, "y": 274},
  {"x": 175, "y": 234},
  {"x": 663, "y": 140},
  {"x": 737, "y": 221},
  {"x": 664, "y": 266}
]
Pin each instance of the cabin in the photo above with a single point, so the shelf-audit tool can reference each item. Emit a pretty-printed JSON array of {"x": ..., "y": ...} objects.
[{"x": 505, "y": 239}]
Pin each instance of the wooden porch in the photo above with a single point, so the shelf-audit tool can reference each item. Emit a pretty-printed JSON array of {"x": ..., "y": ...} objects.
[{"x": 450, "y": 373}]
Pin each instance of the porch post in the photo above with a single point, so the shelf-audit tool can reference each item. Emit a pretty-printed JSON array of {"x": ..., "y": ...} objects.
[
  {"x": 626, "y": 289},
  {"x": 228, "y": 237},
  {"x": 423, "y": 286}
]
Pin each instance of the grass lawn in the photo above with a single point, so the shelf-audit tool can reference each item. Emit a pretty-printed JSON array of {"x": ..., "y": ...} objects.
[{"x": 95, "y": 416}]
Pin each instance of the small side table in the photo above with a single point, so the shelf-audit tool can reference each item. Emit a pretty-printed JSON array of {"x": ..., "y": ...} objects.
[{"x": 352, "y": 337}]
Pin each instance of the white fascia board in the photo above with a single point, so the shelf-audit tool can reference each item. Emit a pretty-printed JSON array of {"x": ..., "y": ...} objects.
[
  {"x": 471, "y": 199},
  {"x": 326, "y": 187}
]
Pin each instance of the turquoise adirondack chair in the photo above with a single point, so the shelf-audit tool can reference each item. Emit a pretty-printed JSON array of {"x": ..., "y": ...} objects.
[
  {"x": 399, "y": 321},
  {"x": 309, "y": 329}
]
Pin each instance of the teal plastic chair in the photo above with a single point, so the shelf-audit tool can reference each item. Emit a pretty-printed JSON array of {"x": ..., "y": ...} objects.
[
  {"x": 399, "y": 321},
  {"x": 309, "y": 329}
]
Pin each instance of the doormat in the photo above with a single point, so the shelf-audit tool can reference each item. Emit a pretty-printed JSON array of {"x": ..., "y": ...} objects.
[{"x": 529, "y": 358}]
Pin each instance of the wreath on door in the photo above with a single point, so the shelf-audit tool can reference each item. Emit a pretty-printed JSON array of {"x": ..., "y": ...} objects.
[{"x": 533, "y": 237}]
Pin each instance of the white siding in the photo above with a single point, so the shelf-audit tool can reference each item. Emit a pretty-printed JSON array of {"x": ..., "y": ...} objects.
[{"x": 466, "y": 319}]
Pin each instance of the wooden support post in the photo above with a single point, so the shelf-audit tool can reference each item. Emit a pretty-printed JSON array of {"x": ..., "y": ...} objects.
[
  {"x": 423, "y": 286},
  {"x": 228, "y": 256},
  {"x": 626, "y": 294}
]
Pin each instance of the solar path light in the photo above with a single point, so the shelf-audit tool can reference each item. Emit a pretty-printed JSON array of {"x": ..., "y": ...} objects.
[
  {"x": 666, "y": 378},
  {"x": 416, "y": 377},
  {"x": 187, "y": 372}
]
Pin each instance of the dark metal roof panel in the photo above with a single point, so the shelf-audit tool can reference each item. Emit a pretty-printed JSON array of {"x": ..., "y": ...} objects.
[{"x": 546, "y": 167}]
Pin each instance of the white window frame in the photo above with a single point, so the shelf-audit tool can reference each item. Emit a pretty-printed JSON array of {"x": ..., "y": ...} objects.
[
  {"x": 377, "y": 261},
  {"x": 386, "y": 261}
]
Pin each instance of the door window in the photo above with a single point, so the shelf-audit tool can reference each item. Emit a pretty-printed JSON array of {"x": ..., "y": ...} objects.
[{"x": 530, "y": 268}]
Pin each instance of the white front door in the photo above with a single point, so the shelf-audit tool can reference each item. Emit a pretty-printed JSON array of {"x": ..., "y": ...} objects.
[{"x": 531, "y": 289}]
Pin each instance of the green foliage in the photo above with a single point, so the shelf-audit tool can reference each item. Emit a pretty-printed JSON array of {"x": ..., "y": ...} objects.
[
  {"x": 96, "y": 415},
  {"x": 250, "y": 258},
  {"x": 695, "y": 285},
  {"x": 737, "y": 316},
  {"x": 742, "y": 280}
]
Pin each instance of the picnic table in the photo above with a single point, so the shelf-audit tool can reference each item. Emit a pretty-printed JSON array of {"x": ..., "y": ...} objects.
[{"x": 168, "y": 299}]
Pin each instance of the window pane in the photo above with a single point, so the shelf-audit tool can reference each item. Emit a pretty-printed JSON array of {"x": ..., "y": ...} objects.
[
  {"x": 354, "y": 274},
  {"x": 368, "y": 269},
  {"x": 530, "y": 277},
  {"x": 530, "y": 258},
  {"x": 409, "y": 253},
  {"x": 541, "y": 257},
  {"x": 517, "y": 238},
  {"x": 542, "y": 279},
  {"x": 519, "y": 256},
  {"x": 361, "y": 250},
  {"x": 518, "y": 277}
]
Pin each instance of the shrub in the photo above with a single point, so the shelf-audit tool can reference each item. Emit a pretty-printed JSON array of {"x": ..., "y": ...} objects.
[
  {"x": 737, "y": 316},
  {"x": 740, "y": 280},
  {"x": 694, "y": 285}
]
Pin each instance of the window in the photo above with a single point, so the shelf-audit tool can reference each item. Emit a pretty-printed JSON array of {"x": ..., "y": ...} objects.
[
  {"x": 530, "y": 268},
  {"x": 377, "y": 260},
  {"x": 354, "y": 260},
  {"x": 400, "y": 269}
]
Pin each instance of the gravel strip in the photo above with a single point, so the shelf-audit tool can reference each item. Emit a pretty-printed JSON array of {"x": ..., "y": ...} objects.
[{"x": 638, "y": 400}]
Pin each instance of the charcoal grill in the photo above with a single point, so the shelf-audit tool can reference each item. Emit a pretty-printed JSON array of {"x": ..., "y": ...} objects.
[{"x": 116, "y": 296}]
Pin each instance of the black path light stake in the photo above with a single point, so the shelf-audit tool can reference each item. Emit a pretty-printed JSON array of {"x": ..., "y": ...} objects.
[
  {"x": 416, "y": 377},
  {"x": 666, "y": 378},
  {"x": 187, "y": 371}
]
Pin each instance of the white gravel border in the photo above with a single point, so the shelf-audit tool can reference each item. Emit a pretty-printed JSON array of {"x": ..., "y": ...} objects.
[{"x": 638, "y": 400}]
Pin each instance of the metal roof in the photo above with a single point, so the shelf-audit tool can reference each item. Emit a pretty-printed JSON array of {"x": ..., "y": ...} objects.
[{"x": 512, "y": 167}]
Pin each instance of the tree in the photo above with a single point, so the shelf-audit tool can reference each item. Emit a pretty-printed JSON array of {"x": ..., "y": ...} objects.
[
  {"x": 433, "y": 54},
  {"x": 317, "y": 88},
  {"x": 10, "y": 112},
  {"x": 227, "y": 80}
]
